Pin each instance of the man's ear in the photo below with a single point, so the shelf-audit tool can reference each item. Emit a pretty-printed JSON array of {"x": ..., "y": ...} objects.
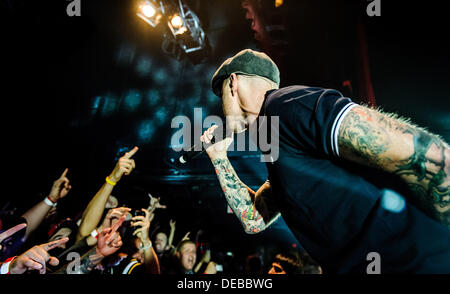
[{"x": 233, "y": 84}]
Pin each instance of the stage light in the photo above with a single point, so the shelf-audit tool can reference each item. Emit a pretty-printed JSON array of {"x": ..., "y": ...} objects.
[
  {"x": 186, "y": 29},
  {"x": 185, "y": 34},
  {"x": 176, "y": 25},
  {"x": 278, "y": 3},
  {"x": 176, "y": 21},
  {"x": 150, "y": 12}
]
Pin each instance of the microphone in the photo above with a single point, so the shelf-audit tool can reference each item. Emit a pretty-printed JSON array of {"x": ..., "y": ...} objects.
[{"x": 192, "y": 153}]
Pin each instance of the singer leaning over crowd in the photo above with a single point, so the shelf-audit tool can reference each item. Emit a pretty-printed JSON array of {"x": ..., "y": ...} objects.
[{"x": 336, "y": 211}]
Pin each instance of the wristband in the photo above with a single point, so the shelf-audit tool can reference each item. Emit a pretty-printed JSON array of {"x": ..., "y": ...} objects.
[
  {"x": 49, "y": 202},
  {"x": 110, "y": 182},
  {"x": 94, "y": 234},
  {"x": 146, "y": 247},
  {"x": 4, "y": 269}
]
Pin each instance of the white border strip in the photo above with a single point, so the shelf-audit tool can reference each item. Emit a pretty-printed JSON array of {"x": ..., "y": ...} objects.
[{"x": 336, "y": 126}]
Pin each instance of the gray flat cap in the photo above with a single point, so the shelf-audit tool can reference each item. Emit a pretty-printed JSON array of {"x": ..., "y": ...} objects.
[{"x": 246, "y": 62}]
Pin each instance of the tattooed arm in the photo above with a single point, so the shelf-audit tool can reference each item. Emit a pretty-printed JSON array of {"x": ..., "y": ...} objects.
[
  {"x": 242, "y": 199},
  {"x": 109, "y": 241},
  {"x": 84, "y": 265},
  {"x": 420, "y": 158},
  {"x": 249, "y": 206}
]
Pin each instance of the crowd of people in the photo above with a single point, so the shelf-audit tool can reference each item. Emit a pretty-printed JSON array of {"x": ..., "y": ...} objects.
[{"x": 107, "y": 238}]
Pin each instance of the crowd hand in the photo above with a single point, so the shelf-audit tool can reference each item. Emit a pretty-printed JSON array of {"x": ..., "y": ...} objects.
[
  {"x": 172, "y": 224},
  {"x": 60, "y": 187},
  {"x": 186, "y": 237},
  {"x": 154, "y": 204},
  {"x": 36, "y": 258},
  {"x": 124, "y": 166},
  {"x": 206, "y": 258},
  {"x": 143, "y": 224},
  {"x": 109, "y": 240},
  {"x": 8, "y": 233},
  {"x": 218, "y": 148},
  {"x": 211, "y": 268},
  {"x": 112, "y": 216}
]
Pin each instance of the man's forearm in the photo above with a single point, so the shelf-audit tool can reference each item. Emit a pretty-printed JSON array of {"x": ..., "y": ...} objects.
[
  {"x": 418, "y": 157},
  {"x": 171, "y": 236},
  {"x": 151, "y": 261},
  {"x": 238, "y": 196},
  {"x": 83, "y": 266},
  {"x": 94, "y": 211},
  {"x": 34, "y": 216}
]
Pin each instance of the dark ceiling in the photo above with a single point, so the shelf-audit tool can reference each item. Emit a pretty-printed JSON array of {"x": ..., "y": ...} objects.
[{"x": 78, "y": 90}]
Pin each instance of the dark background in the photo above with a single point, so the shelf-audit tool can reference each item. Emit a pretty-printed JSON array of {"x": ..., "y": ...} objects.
[{"x": 76, "y": 91}]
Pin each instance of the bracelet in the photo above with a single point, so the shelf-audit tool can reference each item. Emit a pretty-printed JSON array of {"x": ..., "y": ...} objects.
[
  {"x": 94, "y": 234},
  {"x": 110, "y": 182},
  {"x": 4, "y": 269},
  {"x": 146, "y": 247},
  {"x": 49, "y": 202}
]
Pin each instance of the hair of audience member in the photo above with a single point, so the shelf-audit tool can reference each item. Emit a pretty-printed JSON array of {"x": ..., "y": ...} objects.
[
  {"x": 184, "y": 242},
  {"x": 289, "y": 262},
  {"x": 254, "y": 264}
]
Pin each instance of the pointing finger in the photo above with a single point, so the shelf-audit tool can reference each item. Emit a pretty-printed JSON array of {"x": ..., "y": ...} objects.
[
  {"x": 11, "y": 231},
  {"x": 131, "y": 153},
  {"x": 53, "y": 244},
  {"x": 64, "y": 173}
]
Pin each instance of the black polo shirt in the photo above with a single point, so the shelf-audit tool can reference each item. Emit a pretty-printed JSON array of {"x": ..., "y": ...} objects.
[{"x": 324, "y": 203}]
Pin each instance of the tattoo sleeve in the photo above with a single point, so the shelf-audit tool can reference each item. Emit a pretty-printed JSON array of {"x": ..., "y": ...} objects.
[
  {"x": 84, "y": 265},
  {"x": 239, "y": 198},
  {"x": 422, "y": 159}
]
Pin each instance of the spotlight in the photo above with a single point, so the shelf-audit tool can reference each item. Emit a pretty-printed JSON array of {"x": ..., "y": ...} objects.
[
  {"x": 150, "y": 12},
  {"x": 176, "y": 21},
  {"x": 176, "y": 25},
  {"x": 186, "y": 21}
]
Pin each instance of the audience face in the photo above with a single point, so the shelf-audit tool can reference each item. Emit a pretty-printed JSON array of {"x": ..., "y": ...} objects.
[
  {"x": 188, "y": 256},
  {"x": 160, "y": 243},
  {"x": 276, "y": 269}
]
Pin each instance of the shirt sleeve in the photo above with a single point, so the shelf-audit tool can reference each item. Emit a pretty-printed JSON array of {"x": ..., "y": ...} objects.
[{"x": 309, "y": 118}]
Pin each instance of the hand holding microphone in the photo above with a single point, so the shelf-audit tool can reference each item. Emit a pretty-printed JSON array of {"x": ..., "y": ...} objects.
[{"x": 217, "y": 149}]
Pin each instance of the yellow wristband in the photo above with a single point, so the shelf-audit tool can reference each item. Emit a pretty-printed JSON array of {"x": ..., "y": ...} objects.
[{"x": 110, "y": 182}]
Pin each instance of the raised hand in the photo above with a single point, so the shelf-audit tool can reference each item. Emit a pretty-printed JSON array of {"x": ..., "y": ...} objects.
[
  {"x": 60, "y": 187},
  {"x": 36, "y": 258},
  {"x": 112, "y": 216},
  {"x": 8, "y": 233},
  {"x": 154, "y": 204},
  {"x": 206, "y": 258},
  {"x": 124, "y": 166},
  {"x": 143, "y": 224},
  {"x": 109, "y": 240},
  {"x": 172, "y": 224},
  {"x": 186, "y": 237}
]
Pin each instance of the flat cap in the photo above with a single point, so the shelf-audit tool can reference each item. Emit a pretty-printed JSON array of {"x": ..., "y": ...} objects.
[{"x": 247, "y": 62}]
